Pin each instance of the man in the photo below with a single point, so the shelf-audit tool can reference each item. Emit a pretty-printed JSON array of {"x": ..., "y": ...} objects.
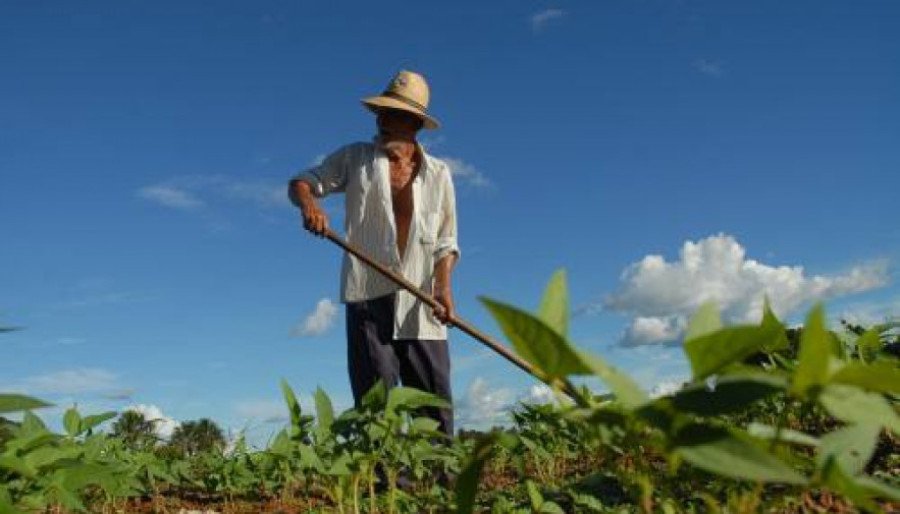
[{"x": 401, "y": 211}]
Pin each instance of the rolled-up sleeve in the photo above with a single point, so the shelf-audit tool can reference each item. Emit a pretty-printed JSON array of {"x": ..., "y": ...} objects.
[
  {"x": 330, "y": 176},
  {"x": 446, "y": 237}
]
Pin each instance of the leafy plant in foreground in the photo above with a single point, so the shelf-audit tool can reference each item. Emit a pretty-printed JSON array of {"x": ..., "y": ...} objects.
[{"x": 688, "y": 426}]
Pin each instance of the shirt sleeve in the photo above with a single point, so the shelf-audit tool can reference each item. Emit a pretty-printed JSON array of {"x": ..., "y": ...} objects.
[
  {"x": 446, "y": 237},
  {"x": 330, "y": 176}
]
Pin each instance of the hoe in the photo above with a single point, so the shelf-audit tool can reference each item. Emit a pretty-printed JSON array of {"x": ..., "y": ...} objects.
[{"x": 431, "y": 302}]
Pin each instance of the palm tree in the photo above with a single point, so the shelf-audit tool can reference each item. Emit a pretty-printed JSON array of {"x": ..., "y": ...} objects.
[
  {"x": 193, "y": 437},
  {"x": 135, "y": 430}
]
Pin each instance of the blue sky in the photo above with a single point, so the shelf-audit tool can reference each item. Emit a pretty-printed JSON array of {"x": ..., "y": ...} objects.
[{"x": 663, "y": 152}]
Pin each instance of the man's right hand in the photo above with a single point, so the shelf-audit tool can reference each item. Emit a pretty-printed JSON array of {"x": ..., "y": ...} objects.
[{"x": 314, "y": 218}]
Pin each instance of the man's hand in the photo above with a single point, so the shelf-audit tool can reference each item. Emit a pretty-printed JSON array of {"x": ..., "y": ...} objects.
[
  {"x": 447, "y": 313},
  {"x": 314, "y": 218}
]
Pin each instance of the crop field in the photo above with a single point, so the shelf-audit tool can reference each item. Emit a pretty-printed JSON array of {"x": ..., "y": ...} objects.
[{"x": 773, "y": 420}]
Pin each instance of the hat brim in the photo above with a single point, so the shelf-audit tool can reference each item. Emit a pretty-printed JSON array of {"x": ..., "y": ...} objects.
[{"x": 373, "y": 103}]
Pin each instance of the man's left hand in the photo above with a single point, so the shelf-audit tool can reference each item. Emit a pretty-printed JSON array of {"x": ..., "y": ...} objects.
[{"x": 444, "y": 296}]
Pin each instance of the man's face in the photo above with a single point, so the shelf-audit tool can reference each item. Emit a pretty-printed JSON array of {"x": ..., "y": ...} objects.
[{"x": 396, "y": 124}]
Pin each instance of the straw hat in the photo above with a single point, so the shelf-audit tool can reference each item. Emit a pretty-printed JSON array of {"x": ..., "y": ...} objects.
[{"x": 407, "y": 91}]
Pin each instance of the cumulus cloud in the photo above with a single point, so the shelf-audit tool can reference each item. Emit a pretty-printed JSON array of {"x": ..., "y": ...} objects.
[
  {"x": 169, "y": 196},
  {"x": 163, "y": 426},
  {"x": 466, "y": 173},
  {"x": 319, "y": 321},
  {"x": 70, "y": 381},
  {"x": 195, "y": 192},
  {"x": 666, "y": 388},
  {"x": 541, "y": 19},
  {"x": 868, "y": 314},
  {"x": 661, "y": 295},
  {"x": 538, "y": 394},
  {"x": 645, "y": 330},
  {"x": 485, "y": 406}
]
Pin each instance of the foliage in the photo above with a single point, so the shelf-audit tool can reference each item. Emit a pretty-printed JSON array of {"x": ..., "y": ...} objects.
[{"x": 773, "y": 419}]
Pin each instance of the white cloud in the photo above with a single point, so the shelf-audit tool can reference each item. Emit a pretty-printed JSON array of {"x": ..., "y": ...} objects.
[
  {"x": 169, "y": 196},
  {"x": 648, "y": 330},
  {"x": 465, "y": 172},
  {"x": 163, "y": 426},
  {"x": 538, "y": 394},
  {"x": 319, "y": 321},
  {"x": 871, "y": 313},
  {"x": 194, "y": 192},
  {"x": 258, "y": 193},
  {"x": 541, "y": 19},
  {"x": 710, "y": 68},
  {"x": 666, "y": 388},
  {"x": 269, "y": 411},
  {"x": 661, "y": 295},
  {"x": 70, "y": 381},
  {"x": 484, "y": 407}
]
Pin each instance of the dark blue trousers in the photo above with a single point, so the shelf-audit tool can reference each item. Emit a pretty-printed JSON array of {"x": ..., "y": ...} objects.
[{"x": 372, "y": 353}]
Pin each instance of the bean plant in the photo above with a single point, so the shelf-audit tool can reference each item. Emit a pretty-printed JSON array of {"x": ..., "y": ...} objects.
[{"x": 772, "y": 419}]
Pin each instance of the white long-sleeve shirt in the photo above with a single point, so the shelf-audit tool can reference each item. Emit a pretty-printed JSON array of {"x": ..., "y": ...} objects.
[{"x": 362, "y": 172}]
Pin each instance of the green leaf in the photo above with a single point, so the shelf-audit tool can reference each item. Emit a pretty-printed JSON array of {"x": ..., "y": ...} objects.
[
  {"x": 340, "y": 466},
  {"x": 72, "y": 421},
  {"x": 858, "y": 489},
  {"x": 711, "y": 353},
  {"x": 81, "y": 475},
  {"x": 66, "y": 497},
  {"x": 878, "y": 489},
  {"x": 851, "y": 447},
  {"x": 89, "y": 422},
  {"x": 880, "y": 376},
  {"x": 554, "y": 309},
  {"x": 730, "y": 453},
  {"x": 770, "y": 320},
  {"x": 548, "y": 351},
  {"x": 626, "y": 390},
  {"x": 376, "y": 396},
  {"x": 469, "y": 477},
  {"x": 31, "y": 424},
  {"x": 408, "y": 398},
  {"x": 49, "y": 456},
  {"x": 853, "y": 405},
  {"x": 423, "y": 425},
  {"x": 6, "y": 504},
  {"x": 731, "y": 393},
  {"x": 281, "y": 445},
  {"x": 815, "y": 350},
  {"x": 297, "y": 418},
  {"x": 324, "y": 410},
  {"x": 309, "y": 459},
  {"x": 534, "y": 496},
  {"x": 869, "y": 344},
  {"x": 18, "y": 402},
  {"x": 705, "y": 321},
  {"x": 785, "y": 435},
  {"x": 17, "y": 465}
]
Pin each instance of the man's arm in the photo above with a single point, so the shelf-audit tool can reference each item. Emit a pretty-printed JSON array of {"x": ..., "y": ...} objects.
[
  {"x": 328, "y": 177},
  {"x": 446, "y": 252},
  {"x": 443, "y": 287},
  {"x": 314, "y": 218}
]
